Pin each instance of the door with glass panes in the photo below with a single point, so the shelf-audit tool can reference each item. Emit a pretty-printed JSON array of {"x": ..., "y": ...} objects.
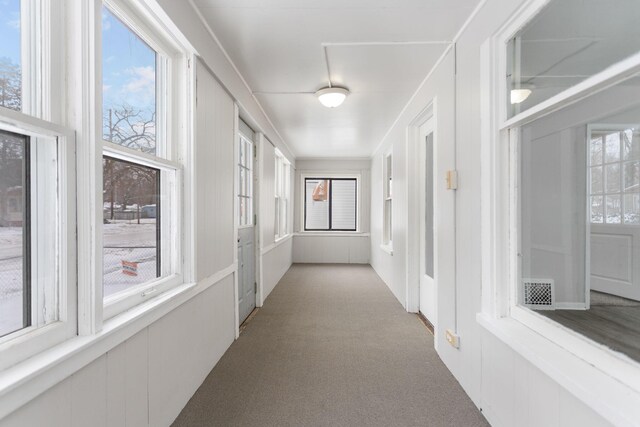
[{"x": 246, "y": 224}]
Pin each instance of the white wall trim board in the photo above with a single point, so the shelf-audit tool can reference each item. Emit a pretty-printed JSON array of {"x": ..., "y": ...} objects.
[
  {"x": 275, "y": 244},
  {"x": 330, "y": 234},
  {"x": 605, "y": 395},
  {"x": 385, "y": 43},
  {"x": 571, "y": 306},
  {"x": 25, "y": 381}
]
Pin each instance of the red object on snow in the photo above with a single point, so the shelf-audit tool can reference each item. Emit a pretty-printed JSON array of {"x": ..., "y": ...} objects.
[{"x": 130, "y": 268}]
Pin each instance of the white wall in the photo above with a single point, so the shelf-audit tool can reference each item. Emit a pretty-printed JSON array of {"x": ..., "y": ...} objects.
[
  {"x": 276, "y": 257},
  {"x": 147, "y": 379},
  {"x": 511, "y": 389},
  {"x": 332, "y": 247}
]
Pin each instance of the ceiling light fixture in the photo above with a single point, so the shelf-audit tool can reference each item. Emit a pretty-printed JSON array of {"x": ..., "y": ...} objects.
[
  {"x": 519, "y": 95},
  {"x": 332, "y": 97}
]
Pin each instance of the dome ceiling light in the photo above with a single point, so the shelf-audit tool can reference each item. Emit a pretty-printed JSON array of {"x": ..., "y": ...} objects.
[
  {"x": 332, "y": 97},
  {"x": 519, "y": 95}
]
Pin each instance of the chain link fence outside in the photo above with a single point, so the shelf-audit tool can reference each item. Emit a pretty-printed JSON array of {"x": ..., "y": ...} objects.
[
  {"x": 130, "y": 255},
  {"x": 11, "y": 295}
]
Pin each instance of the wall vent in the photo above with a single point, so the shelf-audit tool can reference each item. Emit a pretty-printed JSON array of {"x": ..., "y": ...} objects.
[{"x": 538, "y": 294}]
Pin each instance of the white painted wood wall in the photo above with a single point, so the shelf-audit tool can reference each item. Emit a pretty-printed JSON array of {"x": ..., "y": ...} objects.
[
  {"x": 333, "y": 247},
  {"x": 509, "y": 389},
  {"x": 148, "y": 378}
]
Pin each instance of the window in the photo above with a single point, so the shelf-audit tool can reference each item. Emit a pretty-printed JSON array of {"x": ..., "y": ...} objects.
[
  {"x": 282, "y": 184},
  {"x": 565, "y": 44},
  {"x": 10, "y": 55},
  {"x": 245, "y": 180},
  {"x": 615, "y": 175},
  {"x": 561, "y": 183},
  {"x": 15, "y": 274},
  {"x": 37, "y": 191},
  {"x": 330, "y": 204},
  {"x": 141, "y": 231},
  {"x": 388, "y": 203}
]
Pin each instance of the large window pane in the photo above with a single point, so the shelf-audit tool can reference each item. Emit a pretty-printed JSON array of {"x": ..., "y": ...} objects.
[
  {"x": 567, "y": 42},
  {"x": 128, "y": 87},
  {"x": 579, "y": 240},
  {"x": 10, "y": 68},
  {"x": 343, "y": 204},
  {"x": 14, "y": 234},
  {"x": 131, "y": 230}
]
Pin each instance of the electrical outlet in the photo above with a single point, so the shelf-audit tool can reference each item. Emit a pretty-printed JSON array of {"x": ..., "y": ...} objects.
[{"x": 453, "y": 339}]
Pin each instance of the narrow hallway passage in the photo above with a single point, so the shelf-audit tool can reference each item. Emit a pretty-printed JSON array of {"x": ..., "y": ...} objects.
[{"x": 331, "y": 347}]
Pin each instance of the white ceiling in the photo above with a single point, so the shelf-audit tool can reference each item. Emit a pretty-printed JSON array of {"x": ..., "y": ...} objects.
[{"x": 380, "y": 49}]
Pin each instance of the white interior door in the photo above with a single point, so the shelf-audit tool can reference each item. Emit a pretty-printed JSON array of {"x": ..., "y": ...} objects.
[
  {"x": 246, "y": 226},
  {"x": 612, "y": 267},
  {"x": 428, "y": 238}
]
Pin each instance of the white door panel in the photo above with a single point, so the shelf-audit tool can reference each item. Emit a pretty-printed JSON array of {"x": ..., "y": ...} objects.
[
  {"x": 612, "y": 252},
  {"x": 428, "y": 232}
]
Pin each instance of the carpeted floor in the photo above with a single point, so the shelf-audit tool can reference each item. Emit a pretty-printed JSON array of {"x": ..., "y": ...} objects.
[{"x": 331, "y": 347}]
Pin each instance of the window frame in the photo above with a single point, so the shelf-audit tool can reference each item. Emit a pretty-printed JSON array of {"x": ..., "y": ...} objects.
[
  {"x": 387, "y": 200},
  {"x": 43, "y": 102},
  {"x": 26, "y": 342},
  {"x": 250, "y": 166},
  {"x": 500, "y": 198},
  {"x": 329, "y": 176},
  {"x": 282, "y": 195},
  {"x": 621, "y": 162},
  {"x": 171, "y": 62}
]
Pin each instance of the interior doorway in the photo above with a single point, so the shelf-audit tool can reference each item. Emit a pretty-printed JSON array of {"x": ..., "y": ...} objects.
[
  {"x": 247, "y": 286},
  {"x": 427, "y": 302},
  {"x": 431, "y": 248}
]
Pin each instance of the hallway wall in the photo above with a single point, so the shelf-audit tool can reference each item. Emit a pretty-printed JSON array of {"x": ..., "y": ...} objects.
[
  {"x": 332, "y": 247},
  {"x": 144, "y": 371},
  {"x": 507, "y": 387}
]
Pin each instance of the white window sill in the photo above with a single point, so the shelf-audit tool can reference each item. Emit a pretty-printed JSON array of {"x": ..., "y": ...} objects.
[
  {"x": 606, "y": 395},
  {"x": 331, "y": 233},
  {"x": 276, "y": 243},
  {"x": 387, "y": 248},
  {"x": 283, "y": 238},
  {"x": 23, "y": 382}
]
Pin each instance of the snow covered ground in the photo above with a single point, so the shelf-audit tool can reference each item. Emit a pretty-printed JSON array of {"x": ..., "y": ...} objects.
[
  {"x": 128, "y": 241},
  {"x": 10, "y": 279},
  {"x": 124, "y": 240}
]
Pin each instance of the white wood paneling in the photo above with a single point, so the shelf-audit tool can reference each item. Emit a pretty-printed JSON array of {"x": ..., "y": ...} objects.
[
  {"x": 517, "y": 393},
  {"x": 275, "y": 264},
  {"x": 332, "y": 249},
  {"x": 267, "y": 176},
  {"x": 180, "y": 340},
  {"x": 495, "y": 376},
  {"x": 52, "y": 408},
  {"x": 136, "y": 376},
  {"x": 214, "y": 152},
  {"x": 89, "y": 395},
  {"x": 147, "y": 379},
  {"x": 116, "y": 386}
]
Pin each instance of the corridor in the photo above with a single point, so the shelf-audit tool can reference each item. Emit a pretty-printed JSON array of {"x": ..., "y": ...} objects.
[{"x": 331, "y": 347}]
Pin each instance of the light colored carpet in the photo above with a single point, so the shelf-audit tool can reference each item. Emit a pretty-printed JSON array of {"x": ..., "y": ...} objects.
[{"x": 331, "y": 347}]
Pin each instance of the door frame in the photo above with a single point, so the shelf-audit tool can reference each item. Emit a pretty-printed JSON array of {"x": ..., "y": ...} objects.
[
  {"x": 412, "y": 295},
  {"x": 236, "y": 223}
]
